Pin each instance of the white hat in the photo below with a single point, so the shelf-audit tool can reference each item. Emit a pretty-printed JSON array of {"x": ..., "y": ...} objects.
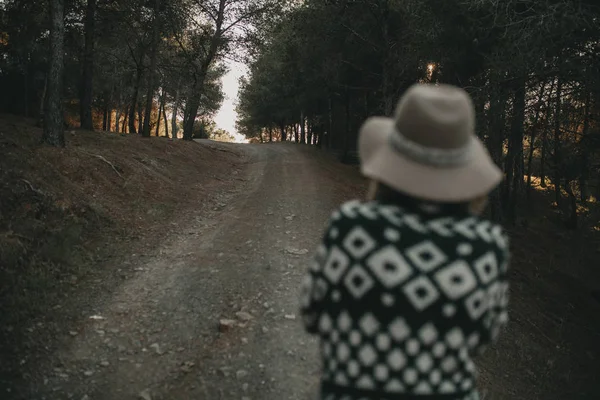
[{"x": 429, "y": 150}]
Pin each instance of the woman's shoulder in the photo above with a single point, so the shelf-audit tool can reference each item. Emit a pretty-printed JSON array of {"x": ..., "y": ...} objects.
[{"x": 426, "y": 223}]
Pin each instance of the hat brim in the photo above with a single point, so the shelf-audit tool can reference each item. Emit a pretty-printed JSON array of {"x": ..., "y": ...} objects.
[{"x": 379, "y": 161}]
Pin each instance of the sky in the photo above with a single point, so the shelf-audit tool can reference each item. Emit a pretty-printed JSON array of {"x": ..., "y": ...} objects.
[{"x": 225, "y": 118}]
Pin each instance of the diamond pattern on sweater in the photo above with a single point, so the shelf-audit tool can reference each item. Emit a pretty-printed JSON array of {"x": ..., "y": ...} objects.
[
  {"x": 389, "y": 267},
  {"x": 421, "y": 292},
  {"x": 476, "y": 304},
  {"x": 456, "y": 279},
  {"x": 337, "y": 263},
  {"x": 487, "y": 268},
  {"x": 358, "y": 243},
  {"x": 358, "y": 281}
]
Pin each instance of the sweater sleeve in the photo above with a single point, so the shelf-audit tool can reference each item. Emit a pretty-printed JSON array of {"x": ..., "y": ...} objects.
[{"x": 314, "y": 288}]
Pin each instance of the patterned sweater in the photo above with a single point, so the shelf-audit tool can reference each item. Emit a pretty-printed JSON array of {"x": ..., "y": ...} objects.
[{"x": 402, "y": 299}]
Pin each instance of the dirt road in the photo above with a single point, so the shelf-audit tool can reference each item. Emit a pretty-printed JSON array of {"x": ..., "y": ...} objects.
[{"x": 157, "y": 335}]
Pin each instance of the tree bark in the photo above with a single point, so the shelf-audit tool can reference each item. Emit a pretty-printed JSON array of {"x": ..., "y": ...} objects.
[
  {"x": 152, "y": 76},
  {"x": 104, "y": 117},
  {"x": 53, "y": 133},
  {"x": 140, "y": 115},
  {"x": 283, "y": 133},
  {"x": 117, "y": 118},
  {"x": 534, "y": 130},
  {"x": 109, "y": 119},
  {"x": 557, "y": 144},
  {"x": 160, "y": 111},
  {"x": 125, "y": 117},
  {"x": 40, "y": 122},
  {"x": 175, "y": 111},
  {"x": 302, "y": 128},
  {"x": 573, "y": 217},
  {"x": 191, "y": 110},
  {"x": 585, "y": 151},
  {"x": 514, "y": 159},
  {"x": 296, "y": 136},
  {"x": 495, "y": 143},
  {"x": 134, "y": 97},
  {"x": 87, "y": 79},
  {"x": 543, "y": 151},
  {"x": 165, "y": 114}
]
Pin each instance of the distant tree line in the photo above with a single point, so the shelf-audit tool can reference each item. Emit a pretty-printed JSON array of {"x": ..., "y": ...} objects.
[{"x": 532, "y": 67}]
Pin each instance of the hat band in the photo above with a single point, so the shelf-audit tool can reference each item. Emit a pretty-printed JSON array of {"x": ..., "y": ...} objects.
[{"x": 434, "y": 157}]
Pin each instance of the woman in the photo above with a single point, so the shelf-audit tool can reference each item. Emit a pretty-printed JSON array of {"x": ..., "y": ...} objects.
[{"x": 410, "y": 285}]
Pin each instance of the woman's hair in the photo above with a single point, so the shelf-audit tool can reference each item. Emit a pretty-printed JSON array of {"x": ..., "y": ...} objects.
[{"x": 383, "y": 193}]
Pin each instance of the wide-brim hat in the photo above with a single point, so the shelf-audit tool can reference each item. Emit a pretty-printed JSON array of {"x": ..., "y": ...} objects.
[{"x": 429, "y": 149}]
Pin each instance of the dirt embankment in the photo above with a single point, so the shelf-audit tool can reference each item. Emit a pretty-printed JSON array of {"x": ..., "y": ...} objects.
[{"x": 65, "y": 212}]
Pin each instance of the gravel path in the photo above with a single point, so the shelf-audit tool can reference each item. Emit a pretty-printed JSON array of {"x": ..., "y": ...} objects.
[{"x": 214, "y": 314}]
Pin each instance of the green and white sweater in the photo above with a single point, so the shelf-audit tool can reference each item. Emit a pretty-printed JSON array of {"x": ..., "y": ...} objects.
[{"x": 402, "y": 298}]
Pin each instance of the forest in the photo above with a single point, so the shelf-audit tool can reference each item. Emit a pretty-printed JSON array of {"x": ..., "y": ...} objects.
[
  {"x": 151, "y": 67},
  {"x": 532, "y": 68}
]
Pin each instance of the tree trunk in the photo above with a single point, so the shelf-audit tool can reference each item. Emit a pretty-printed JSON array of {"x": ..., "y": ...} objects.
[
  {"x": 125, "y": 117},
  {"x": 40, "y": 122},
  {"x": 191, "y": 110},
  {"x": 104, "y": 117},
  {"x": 283, "y": 133},
  {"x": 165, "y": 114},
  {"x": 117, "y": 118},
  {"x": 543, "y": 151},
  {"x": 270, "y": 134},
  {"x": 134, "y": 98},
  {"x": 557, "y": 144},
  {"x": 160, "y": 111},
  {"x": 302, "y": 128},
  {"x": 573, "y": 217},
  {"x": 534, "y": 130},
  {"x": 140, "y": 122},
  {"x": 495, "y": 143},
  {"x": 296, "y": 135},
  {"x": 109, "y": 119},
  {"x": 514, "y": 159},
  {"x": 87, "y": 79},
  {"x": 318, "y": 135},
  {"x": 54, "y": 133},
  {"x": 585, "y": 152},
  {"x": 152, "y": 76},
  {"x": 175, "y": 111}
]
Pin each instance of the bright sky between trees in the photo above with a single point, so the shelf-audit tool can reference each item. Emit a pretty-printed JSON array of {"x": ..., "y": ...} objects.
[{"x": 226, "y": 117}]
